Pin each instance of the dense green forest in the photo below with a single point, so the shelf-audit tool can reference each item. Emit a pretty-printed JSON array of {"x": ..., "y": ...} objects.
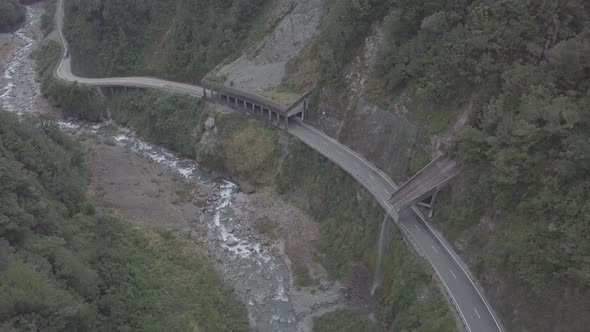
[
  {"x": 12, "y": 13},
  {"x": 522, "y": 68},
  {"x": 66, "y": 265},
  {"x": 176, "y": 39}
]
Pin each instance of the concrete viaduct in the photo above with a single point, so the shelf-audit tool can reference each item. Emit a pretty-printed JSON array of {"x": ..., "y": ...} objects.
[{"x": 460, "y": 286}]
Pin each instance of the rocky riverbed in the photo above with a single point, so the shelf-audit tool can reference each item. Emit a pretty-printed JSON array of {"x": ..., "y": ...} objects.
[{"x": 153, "y": 187}]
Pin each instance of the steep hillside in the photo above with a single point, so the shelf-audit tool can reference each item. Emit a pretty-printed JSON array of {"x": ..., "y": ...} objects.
[
  {"x": 12, "y": 13},
  {"x": 348, "y": 217},
  {"x": 501, "y": 85},
  {"x": 177, "y": 39},
  {"x": 513, "y": 74},
  {"x": 67, "y": 265}
]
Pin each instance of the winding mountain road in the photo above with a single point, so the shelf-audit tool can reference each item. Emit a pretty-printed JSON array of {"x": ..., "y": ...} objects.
[{"x": 468, "y": 300}]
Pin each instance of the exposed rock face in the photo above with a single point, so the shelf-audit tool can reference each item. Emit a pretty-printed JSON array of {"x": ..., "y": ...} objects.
[
  {"x": 380, "y": 136},
  {"x": 294, "y": 23},
  {"x": 331, "y": 111},
  {"x": 384, "y": 137},
  {"x": 209, "y": 137}
]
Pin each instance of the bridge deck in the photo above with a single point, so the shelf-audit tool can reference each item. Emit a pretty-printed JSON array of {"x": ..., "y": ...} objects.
[{"x": 431, "y": 178}]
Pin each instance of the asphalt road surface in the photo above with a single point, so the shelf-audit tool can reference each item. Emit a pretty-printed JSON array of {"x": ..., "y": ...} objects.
[{"x": 461, "y": 289}]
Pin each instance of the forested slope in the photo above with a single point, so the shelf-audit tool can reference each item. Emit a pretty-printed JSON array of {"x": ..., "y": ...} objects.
[
  {"x": 521, "y": 69},
  {"x": 12, "y": 13},
  {"x": 518, "y": 68},
  {"x": 176, "y": 39},
  {"x": 66, "y": 266}
]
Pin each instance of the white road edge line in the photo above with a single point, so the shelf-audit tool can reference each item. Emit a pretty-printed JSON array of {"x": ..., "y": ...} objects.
[
  {"x": 443, "y": 283},
  {"x": 477, "y": 313}
]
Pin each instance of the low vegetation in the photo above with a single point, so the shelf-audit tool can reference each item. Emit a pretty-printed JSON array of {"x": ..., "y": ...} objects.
[
  {"x": 67, "y": 265},
  {"x": 285, "y": 98}
]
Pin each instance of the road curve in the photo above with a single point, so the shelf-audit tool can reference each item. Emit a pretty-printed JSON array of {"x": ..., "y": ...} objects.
[
  {"x": 64, "y": 72},
  {"x": 468, "y": 300}
]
